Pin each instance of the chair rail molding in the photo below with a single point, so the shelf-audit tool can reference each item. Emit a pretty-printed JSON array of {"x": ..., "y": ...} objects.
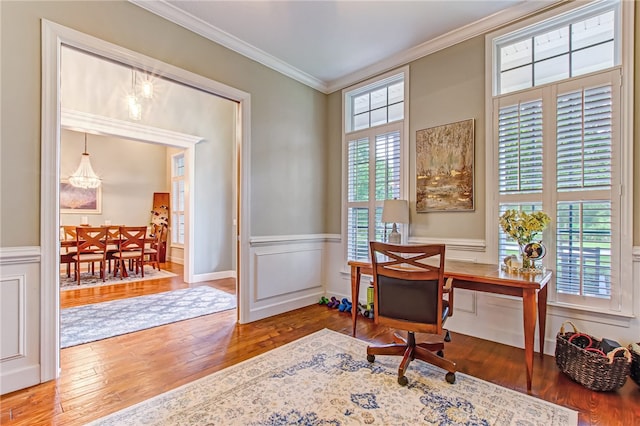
[
  {"x": 452, "y": 243},
  {"x": 19, "y": 255}
]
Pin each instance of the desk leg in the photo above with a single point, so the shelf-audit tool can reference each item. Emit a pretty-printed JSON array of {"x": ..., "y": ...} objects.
[
  {"x": 355, "y": 290},
  {"x": 529, "y": 310},
  {"x": 542, "y": 317}
]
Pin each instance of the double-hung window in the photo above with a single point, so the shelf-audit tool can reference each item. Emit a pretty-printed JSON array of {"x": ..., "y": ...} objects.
[
  {"x": 557, "y": 145},
  {"x": 375, "y": 164},
  {"x": 177, "y": 194}
]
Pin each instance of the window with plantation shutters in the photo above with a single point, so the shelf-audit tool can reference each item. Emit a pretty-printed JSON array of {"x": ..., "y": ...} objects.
[
  {"x": 374, "y": 122},
  {"x": 520, "y": 147},
  {"x": 584, "y": 125},
  {"x": 558, "y": 145}
]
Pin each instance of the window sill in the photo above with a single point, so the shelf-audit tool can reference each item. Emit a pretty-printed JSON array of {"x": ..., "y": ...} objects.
[{"x": 620, "y": 319}]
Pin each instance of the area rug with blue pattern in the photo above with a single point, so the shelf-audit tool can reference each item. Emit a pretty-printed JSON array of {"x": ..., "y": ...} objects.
[
  {"x": 88, "y": 323},
  {"x": 325, "y": 379}
]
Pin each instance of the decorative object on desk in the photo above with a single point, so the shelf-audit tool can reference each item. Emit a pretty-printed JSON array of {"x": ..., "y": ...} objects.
[
  {"x": 84, "y": 177},
  {"x": 395, "y": 211},
  {"x": 532, "y": 252},
  {"x": 587, "y": 365},
  {"x": 522, "y": 227},
  {"x": 444, "y": 167},
  {"x": 97, "y": 321},
  {"x": 80, "y": 200},
  {"x": 321, "y": 379}
]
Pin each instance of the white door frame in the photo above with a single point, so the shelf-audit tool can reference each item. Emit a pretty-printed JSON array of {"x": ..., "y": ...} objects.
[{"x": 53, "y": 37}]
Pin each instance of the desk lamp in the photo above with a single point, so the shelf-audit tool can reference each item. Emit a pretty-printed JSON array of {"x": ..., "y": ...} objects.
[{"x": 395, "y": 211}]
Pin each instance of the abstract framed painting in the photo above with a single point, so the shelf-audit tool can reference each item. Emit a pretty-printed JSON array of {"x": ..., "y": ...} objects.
[
  {"x": 80, "y": 200},
  {"x": 444, "y": 167}
]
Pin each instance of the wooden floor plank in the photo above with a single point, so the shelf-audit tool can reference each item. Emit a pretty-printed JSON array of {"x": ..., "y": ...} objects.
[{"x": 102, "y": 377}]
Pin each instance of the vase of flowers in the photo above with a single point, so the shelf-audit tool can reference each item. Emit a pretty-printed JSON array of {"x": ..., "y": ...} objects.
[{"x": 522, "y": 227}]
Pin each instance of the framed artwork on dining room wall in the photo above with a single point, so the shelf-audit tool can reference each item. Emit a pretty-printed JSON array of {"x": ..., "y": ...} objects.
[
  {"x": 444, "y": 167},
  {"x": 80, "y": 200}
]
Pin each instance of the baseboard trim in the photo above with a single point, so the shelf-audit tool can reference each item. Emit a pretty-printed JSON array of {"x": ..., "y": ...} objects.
[{"x": 198, "y": 278}]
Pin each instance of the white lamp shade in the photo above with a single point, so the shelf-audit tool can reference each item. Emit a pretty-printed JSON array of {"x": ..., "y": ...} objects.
[{"x": 395, "y": 211}]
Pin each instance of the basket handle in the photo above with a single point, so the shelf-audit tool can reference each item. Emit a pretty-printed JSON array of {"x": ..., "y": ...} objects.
[
  {"x": 575, "y": 329},
  {"x": 613, "y": 353}
]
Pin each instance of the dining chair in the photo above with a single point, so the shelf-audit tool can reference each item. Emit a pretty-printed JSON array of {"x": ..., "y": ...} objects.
[
  {"x": 113, "y": 245},
  {"x": 67, "y": 237},
  {"x": 131, "y": 249},
  {"x": 91, "y": 247},
  {"x": 153, "y": 246},
  {"x": 409, "y": 288}
]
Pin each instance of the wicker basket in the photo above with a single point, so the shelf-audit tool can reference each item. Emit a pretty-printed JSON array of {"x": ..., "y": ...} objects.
[
  {"x": 591, "y": 370},
  {"x": 635, "y": 363}
]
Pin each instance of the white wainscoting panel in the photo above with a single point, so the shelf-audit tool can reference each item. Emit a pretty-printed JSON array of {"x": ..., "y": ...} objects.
[
  {"x": 285, "y": 275},
  {"x": 19, "y": 318}
]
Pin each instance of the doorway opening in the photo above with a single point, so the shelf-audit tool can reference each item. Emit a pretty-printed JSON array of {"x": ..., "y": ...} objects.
[{"x": 56, "y": 36}]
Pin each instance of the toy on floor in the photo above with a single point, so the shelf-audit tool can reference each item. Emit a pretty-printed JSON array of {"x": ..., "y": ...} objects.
[
  {"x": 323, "y": 301},
  {"x": 345, "y": 305}
]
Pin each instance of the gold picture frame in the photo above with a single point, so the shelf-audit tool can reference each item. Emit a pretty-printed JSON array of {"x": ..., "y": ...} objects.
[
  {"x": 444, "y": 167},
  {"x": 80, "y": 200}
]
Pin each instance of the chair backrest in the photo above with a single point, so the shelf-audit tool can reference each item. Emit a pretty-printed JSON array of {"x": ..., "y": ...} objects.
[
  {"x": 408, "y": 284},
  {"x": 67, "y": 233},
  {"x": 133, "y": 238},
  {"x": 91, "y": 239}
]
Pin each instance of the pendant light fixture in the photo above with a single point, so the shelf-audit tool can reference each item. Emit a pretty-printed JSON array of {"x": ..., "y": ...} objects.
[
  {"x": 84, "y": 176},
  {"x": 135, "y": 109}
]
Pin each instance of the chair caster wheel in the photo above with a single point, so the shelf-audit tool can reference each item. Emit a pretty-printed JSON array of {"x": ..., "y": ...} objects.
[
  {"x": 447, "y": 337},
  {"x": 440, "y": 353},
  {"x": 371, "y": 358},
  {"x": 450, "y": 378},
  {"x": 402, "y": 381}
]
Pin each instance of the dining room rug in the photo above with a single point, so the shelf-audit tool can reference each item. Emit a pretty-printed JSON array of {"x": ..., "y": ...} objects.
[
  {"x": 88, "y": 280},
  {"x": 325, "y": 379},
  {"x": 88, "y": 323}
]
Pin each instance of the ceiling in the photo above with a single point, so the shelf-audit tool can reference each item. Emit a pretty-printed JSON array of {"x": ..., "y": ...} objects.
[{"x": 331, "y": 44}]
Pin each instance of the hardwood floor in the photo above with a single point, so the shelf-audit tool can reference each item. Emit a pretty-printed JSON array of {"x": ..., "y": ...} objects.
[{"x": 105, "y": 376}]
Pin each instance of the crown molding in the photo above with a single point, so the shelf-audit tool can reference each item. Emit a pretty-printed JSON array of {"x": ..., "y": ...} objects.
[
  {"x": 487, "y": 24},
  {"x": 208, "y": 31},
  {"x": 482, "y": 26}
]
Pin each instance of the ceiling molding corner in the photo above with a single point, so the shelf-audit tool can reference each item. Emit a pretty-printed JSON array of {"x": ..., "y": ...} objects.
[
  {"x": 192, "y": 23},
  {"x": 198, "y": 26},
  {"x": 482, "y": 26}
]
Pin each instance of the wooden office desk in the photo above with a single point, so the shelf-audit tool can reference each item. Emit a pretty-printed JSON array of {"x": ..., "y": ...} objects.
[{"x": 489, "y": 279}]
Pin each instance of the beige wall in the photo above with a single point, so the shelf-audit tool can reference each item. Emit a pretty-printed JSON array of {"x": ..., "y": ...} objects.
[{"x": 288, "y": 119}]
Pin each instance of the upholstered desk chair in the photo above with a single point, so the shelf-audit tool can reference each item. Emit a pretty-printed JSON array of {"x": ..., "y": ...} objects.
[{"x": 408, "y": 295}]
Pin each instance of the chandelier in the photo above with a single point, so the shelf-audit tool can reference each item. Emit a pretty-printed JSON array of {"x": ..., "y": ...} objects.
[{"x": 84, "y": 176}]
